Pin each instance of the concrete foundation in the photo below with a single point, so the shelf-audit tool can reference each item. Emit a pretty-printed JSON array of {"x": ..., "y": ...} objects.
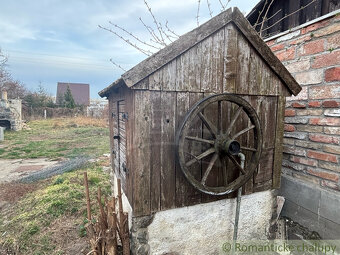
[
  {"x": 312, "y": 207},
  {"x": 203, "y": 228}
]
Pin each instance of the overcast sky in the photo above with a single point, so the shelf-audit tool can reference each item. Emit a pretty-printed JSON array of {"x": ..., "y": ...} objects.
[{"x": 57, "y": 40}]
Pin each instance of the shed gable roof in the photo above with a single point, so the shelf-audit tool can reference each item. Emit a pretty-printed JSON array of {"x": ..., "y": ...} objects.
[{"x": 188, "y": 40}]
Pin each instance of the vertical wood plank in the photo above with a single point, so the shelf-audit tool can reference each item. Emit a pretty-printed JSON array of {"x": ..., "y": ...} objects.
[
  {"x": 281, "y": 102},
  {"x": 169, "y": 76},
  {"x": 111, "y": 124},
  {"x": 181, "y": 183},
  {"x": 255, "y": 72},
  {"x": 155, "y": 80},
  {"x": 243, "y": 65},
  {"x": 155, "y": 156},
  {"x": 294, "y": 19},
  {"x": 206, "y": 64},
  {"x": 182, "y": 72},
  {"x": 217, "y": 61},
  {"x": 142, "y": 154},
  {"x": 168, "y": 122},
  {"x": 230, "y": 59},
  {"x": 267, "y": 116},
  {"x": 129, "y": 144},
  {"x": 195, "y": 68}
]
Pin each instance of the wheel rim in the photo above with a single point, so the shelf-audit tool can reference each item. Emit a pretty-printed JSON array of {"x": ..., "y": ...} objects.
[{"x": 222, "y": 144}]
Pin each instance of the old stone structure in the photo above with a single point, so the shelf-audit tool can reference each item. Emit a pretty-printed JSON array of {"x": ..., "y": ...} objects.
[
  {"x": 10, "y": 112},
  {"x": 311, "y": 164}
]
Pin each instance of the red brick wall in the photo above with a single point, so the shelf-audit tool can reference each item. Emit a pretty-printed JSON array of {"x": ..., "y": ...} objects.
[{"x": 312, "y": 123}]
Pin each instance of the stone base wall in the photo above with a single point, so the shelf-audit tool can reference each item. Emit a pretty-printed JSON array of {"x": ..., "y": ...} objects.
[{"x": 203, "y": 228}]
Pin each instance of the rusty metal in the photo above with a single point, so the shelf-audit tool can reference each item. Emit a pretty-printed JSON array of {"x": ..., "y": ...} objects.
[{"x": 221, "y": 145}]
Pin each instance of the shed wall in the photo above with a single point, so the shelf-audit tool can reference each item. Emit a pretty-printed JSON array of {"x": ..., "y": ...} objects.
[{"x": 222, "y": 63}]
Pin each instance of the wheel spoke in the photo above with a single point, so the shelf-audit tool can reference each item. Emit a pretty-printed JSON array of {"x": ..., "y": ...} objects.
[
  {"x": 211, "y": 164},
  {"x": 242, "y": 132},
  {"x": 224, "y": 170},
  {"x": 219, "y": 117},
  {"x": 208, "y": 124},
  {"x": 236, "y": 164},
  {"x": 248, "y": 149},
  {"x": 199, "y": 139},
  {"x": 199, "y": 157},
  {"x": 238, "y": 112}
]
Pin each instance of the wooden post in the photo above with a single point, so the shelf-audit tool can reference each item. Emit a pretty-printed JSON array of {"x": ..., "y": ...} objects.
[{"x": 86, "y": 184}]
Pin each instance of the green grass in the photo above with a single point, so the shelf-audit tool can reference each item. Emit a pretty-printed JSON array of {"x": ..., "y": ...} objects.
[
  {"x": 56, "y": 138},
  {"x": 28, "y": 227}
]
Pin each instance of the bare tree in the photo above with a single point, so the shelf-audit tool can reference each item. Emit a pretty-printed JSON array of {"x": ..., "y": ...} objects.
[
  {"x": 14, "y": 88},
  {"x": 160, "y": 33}
]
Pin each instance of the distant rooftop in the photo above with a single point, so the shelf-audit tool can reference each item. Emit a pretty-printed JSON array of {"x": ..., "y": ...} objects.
[{"x": 80, "y": 92}]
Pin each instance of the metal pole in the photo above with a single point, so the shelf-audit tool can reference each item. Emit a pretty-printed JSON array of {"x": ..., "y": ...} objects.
[{"x": 238, "y": 205}]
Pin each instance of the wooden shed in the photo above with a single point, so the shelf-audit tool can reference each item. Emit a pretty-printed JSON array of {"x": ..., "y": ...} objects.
[{"x": 150, "y": 102}]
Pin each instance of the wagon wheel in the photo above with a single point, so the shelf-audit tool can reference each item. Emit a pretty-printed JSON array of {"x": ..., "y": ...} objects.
[{"x": 223, "y": 146}]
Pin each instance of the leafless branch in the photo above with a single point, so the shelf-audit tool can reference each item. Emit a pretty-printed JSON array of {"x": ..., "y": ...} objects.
[
  {"x": 175, "y": 36},
  {"x": 258, "y": 17},
  {"x": 222, "y": 6},
  {"x": 146, "y": 52},
  {"x": 155, "y": 21},
  {"x": 198, "y": 12},
  {"x": 115, "y": 64},
  {"x": 133, "y": 36},
  {"x": 256, "y": 24},
  {"x": 209, "y": 8},
  {"x": 286, "y": 16},
  {"x": 152, "y": 33},
  {"x": 166, "y": 34},
  {"x": 264, "y": 18}
]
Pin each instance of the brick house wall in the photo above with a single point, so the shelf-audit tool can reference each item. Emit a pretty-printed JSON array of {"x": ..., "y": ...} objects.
[{"x": 311, "y": 160}]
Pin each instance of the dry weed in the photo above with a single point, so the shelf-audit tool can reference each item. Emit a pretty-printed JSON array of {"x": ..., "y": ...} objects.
[{"x": 79, "y": 122}]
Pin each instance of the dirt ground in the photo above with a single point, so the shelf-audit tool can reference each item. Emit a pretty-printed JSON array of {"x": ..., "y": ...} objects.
[{"x": 11, "y": 170}]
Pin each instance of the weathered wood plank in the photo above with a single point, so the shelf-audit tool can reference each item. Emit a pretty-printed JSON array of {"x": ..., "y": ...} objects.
[
  {"x": 230, "y": 59},
  {"x": 242, "y": 78},
  {"x": 182, "y": 72},
  {"x": 169, "y": 76},
  {"x": 168, "y": 169},
  {"x": 130, "y": 144},
  {"x": 267, "y": 117},
  {"x": 255, "y": 72},
  {"x": 281, "y": 101},
  {"x": 206, "y": 65},
  {"x": 155, "y": 159},
  {"x": 195, "y": 68},
  {"x": 111, "y": 126},
  {"x": 141, "y": 138},
  {"x": 155, "y": 80},
  {"x": 183, "y": 104},
  {"x": 217, "y": 61}
]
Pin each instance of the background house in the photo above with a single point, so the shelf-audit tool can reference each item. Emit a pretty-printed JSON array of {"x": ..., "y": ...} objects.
[
  {"x": 305, "y": 36},
  {"x": 80, "y": 92}
]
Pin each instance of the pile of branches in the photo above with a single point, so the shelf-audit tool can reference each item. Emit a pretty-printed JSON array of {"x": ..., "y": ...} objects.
[{"x": 109, "y": 234}]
